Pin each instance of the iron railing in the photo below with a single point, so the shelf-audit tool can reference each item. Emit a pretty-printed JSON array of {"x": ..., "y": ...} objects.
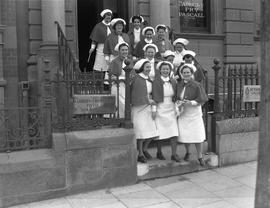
[
  {"x": 230, "y": 84},
  {"x": 22, "y": 129},
  {"x": 71, "y": 82}
]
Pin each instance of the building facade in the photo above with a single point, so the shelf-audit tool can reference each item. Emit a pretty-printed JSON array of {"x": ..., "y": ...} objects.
[
  {"x": 228, "y": 30},
  {"x": 29, "y": 57}
]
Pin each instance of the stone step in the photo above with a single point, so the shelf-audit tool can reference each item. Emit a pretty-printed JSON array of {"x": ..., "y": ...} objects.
[{"x": 156, "y": 168}]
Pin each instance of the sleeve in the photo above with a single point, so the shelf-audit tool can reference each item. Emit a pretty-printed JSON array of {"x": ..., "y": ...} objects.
[
  {"x": 127, "y": 40},
  {"x": 199, "y": 75},
  {"x": 114, "y": 68},
  {"x": 154, "y": 90},
  {"x": 106, "y": 49},
  {"x": 93, "y": 35},
  {"x": 201, "y": 96},
  {"x": 174, "y": 86}
]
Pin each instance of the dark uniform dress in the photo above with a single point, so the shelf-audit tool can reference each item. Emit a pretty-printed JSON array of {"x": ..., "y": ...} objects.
[
  {"x": 98, "y": 36},
  {"x": 190, "y": 121}
]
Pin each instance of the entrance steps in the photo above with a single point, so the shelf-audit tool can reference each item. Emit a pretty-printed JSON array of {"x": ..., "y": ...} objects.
[{"x": 156, "y": 168}]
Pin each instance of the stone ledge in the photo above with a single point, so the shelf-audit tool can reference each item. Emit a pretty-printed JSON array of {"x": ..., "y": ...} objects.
[
  {"x": 168, "y": 168},
  {"x": 237, "y": 157},
  {"x": 238, "y": 142},
  {"x": 28, "y": 160},
  {"x": 98, "y": 138},
  {"x": 237, "y": 125}
]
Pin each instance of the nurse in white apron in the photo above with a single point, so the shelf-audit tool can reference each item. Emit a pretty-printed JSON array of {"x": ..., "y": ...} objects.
[
  {"x": 143, "y": 109},
  {"x": 190, "y": 97},
  {"x": 164, "y": 90}
]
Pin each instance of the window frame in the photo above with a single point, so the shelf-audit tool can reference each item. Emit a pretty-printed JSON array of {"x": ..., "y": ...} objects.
[{"x": 206, "y": 29}]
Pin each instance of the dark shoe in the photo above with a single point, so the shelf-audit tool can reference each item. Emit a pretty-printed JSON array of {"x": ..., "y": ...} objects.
[
  {"x": 141, "y": 159},
  {"x": 176, "y": 158},
  {"x": 147, "y": 155},
  {"x": 187, "y": 156},
  {"x": 160, "y": 156},
  {"x": 201, "y": 161}
]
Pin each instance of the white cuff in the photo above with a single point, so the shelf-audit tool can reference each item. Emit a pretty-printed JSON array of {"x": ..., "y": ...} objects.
[
  {"x": 193, "y": 102},
  {"x": 107, "y": 58},
  {"x": 93, "y": 46},
  {"x": 154, "y": 108}
]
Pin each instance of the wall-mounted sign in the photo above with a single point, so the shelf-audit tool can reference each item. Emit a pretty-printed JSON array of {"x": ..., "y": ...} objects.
[
  {"x": 193, "y": 14},
  {"x": 252, "y": 93},
  {"x": 94, "y": 104},
  {"x": 191, "y": 9}
]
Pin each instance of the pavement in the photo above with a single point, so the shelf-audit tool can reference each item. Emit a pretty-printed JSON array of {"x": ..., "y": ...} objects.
[{"x": 225, "y": 187}]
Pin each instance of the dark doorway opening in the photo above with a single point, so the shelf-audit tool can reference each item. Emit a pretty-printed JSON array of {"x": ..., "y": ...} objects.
[{"x": 88, "y": 16}]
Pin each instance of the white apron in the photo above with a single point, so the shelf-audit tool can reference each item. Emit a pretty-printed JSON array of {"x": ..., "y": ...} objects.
[
  {"x": 121, "y": 93},
  {"x": 100, "y": 62},
  {"x": 166, "y": 116},
  {"x": 143, "y": 124},
  {"x": 190, "y": 125},
  {"x": 121, "y": 97}
]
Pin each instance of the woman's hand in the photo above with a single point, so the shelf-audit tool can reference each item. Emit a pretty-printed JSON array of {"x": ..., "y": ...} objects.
[
  {"x": 113, "y": 77},
  {"x": 187, "y": 102},
  {"x": 179, "y": 103},
  {"x": 152, "y": 102}
]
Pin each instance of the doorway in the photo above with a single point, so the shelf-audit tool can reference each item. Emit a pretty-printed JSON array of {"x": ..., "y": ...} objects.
[{"x": 88, "y": 12}]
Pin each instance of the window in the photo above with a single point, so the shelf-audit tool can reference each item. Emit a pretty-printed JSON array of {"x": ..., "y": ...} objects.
[{"x": 194, "y": 15}]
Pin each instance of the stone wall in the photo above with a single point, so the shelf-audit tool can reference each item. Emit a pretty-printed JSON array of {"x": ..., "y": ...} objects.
[
  {"x": 237, "y": 140},
  {"x": 239, "y": 21},
  {"x": 10, "y": 65},
  {"x": 79, "y": 161}
]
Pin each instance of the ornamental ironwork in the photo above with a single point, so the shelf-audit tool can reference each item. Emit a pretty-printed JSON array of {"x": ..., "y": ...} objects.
[{"x": 22, "y": 129}]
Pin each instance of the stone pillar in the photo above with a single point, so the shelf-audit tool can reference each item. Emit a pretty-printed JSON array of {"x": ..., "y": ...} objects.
[
  {"x": 262, "y": 196},
  {"x": 52, "y": 10},
  {"x": 160, "y": 12}
]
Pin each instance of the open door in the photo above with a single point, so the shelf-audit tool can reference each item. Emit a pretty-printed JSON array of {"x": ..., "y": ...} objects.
[{"x": 88, "y": 16}]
